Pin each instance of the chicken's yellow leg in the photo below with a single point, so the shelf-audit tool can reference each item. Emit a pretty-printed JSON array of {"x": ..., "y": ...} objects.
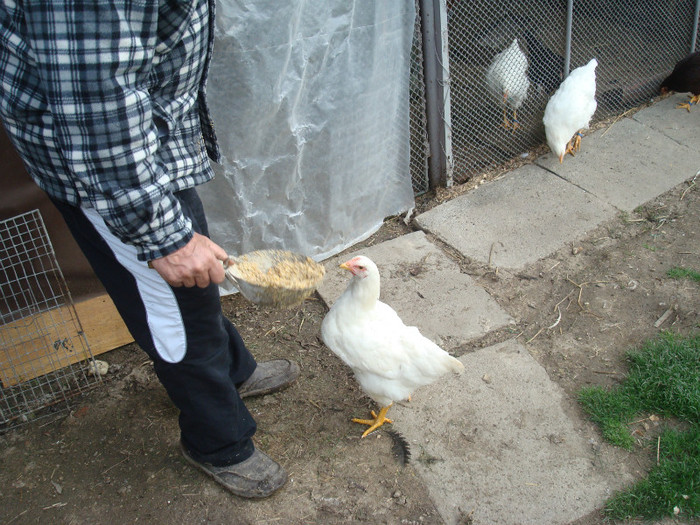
[
  {"x": 375, "y": 423},
  {"x": 515, "y": 124},
  {"x": 694, "y": 100},
  {"x": 572, "y": 147},
  {"x": 506, "y": 122},
  {"x": 577, "y": 141},
  {"x": 569, "y": 150}
]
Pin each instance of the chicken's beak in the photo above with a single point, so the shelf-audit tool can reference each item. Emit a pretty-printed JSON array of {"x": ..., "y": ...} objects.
[
  {"x": 561, "y": 158},
  {"x": 346, "y": 266}
]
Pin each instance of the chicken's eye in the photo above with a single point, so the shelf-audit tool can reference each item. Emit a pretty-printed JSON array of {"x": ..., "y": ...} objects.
[{"x": 361, "y": 267}]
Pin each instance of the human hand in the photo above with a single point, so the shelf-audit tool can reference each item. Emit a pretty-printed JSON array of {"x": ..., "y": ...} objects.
[{"x": 197, "y": 263}]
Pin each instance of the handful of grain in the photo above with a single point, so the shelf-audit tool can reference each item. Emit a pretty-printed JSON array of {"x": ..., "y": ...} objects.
[{"x": 275, "y": 277}]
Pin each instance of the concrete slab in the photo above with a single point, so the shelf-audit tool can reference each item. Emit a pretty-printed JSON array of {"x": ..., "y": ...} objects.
[
  {"x": 677, "y": 124},
  {"x": 516, "y": 220},
  {"x": 427, "y": 290},
  {"x": 627, "y": 164},
  {"x": 495, "y": 442}
]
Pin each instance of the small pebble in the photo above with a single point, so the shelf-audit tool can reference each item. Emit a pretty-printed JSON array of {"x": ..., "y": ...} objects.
[{"x": 98, "y": 368}]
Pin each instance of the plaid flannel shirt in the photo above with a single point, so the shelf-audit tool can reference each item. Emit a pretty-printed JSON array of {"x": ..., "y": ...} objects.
[{"x": 104, "y": 100}]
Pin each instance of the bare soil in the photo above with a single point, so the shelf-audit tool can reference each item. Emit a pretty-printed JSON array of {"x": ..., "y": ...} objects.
[{"x": 114, "y": 459}]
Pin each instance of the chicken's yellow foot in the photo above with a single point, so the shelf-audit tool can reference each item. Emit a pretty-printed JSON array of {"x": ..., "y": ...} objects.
[
  {"x": 693, "y": 100},
  {"x": 375, "y": 423},
  {"x": 577, "y": 142},
  {"x": 515, "y": 124},
  {"x": 569, "y": 149},
  {"x": 506, "y": 122}
]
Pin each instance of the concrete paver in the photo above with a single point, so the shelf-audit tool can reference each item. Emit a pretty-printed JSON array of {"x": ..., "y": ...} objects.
[
  {"x": 627, "y": 164},
  {"x": 496, "y": 444},
  {"x": 677, "y": 124},
  {"x": 517, "y": 220}
]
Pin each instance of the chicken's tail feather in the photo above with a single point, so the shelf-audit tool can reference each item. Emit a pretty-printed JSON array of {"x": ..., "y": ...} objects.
[{"x": 399, "y": 447}]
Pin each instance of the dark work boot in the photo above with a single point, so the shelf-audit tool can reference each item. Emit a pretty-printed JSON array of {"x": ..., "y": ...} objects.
[
  {"x": 259, "y": 476},
  {"x": 269, "y": 376}
]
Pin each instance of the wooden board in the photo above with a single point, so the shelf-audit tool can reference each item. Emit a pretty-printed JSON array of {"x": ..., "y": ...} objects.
[
  {"x": 102, "y": 324},
  {"x": 49, "y": 341}
]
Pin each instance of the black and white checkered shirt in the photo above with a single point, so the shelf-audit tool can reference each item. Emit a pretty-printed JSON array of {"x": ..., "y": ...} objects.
[{"x": 104, "y": 100}]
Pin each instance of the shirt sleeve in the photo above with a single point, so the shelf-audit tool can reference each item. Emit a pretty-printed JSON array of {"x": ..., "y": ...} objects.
[{"x": 94, "y": 59}]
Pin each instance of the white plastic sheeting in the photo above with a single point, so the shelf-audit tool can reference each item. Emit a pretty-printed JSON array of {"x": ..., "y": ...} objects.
[{"x": 310, "y": 103}]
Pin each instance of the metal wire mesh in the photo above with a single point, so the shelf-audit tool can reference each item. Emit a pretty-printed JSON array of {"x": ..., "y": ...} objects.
[
  {"x": 44, "y": 357},
  {"x": 636, "y": 45},
  {"x": 417, "y": 119}
]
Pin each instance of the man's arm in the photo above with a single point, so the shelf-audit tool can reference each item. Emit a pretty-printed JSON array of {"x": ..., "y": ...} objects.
[{"x": 94, "y": 59}]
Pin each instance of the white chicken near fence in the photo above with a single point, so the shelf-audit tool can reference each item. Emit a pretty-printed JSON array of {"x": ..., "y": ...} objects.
[
  {"x": 507, "y": 78},
  {"x": 390, "y": 360},
  {"x": 570, "y": 110}
]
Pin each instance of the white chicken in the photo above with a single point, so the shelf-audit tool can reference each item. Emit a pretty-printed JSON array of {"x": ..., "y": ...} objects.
[
  {"x": 507, "y": 78},
  {"x": 570, "y": 110},
  {"x": 390, "y": 360}
]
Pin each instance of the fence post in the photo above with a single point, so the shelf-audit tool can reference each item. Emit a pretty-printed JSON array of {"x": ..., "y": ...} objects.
[
  {"x": 569, "y": 23},
  {"x": 694, "y": 38},
  {"x": 434, "y": 66}
]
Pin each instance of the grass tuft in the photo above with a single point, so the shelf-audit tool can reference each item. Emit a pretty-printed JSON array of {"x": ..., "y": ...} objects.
[
  {"x": 664, "y": 379},
  {"x": 612, "y": 411},
  {"x": 673, "y": 484},
  {"x": 684, "y": 273}
]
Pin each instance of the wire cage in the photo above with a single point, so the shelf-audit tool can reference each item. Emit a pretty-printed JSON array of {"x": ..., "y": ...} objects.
[
  {"x": 636, "y": 45},
  {"x": 44, "y": 357}
]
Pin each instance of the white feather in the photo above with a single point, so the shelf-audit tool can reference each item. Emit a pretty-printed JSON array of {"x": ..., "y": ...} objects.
[
  {"x": 571, "y": 107},
  {"x": 390, "y": 360},
  {"x": 507, "y": 75}
]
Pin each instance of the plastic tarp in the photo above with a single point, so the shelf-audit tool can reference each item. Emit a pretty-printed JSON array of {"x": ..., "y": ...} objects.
[{"x": 309, "y": 100}]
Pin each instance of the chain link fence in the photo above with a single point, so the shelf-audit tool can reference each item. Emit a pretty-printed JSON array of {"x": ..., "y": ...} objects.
[
  {"x": 417, "y": 119},
  {"x": 636, "y": 44}
]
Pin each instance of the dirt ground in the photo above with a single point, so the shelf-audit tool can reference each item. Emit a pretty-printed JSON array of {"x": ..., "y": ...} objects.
[{"x": 115, "y": 460}]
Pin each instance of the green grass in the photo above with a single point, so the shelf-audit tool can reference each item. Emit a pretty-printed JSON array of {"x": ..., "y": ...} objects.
[
  {"x": 664, "y": 379},
  {"x": 674, "y": 483},
  {"x": 612, "y": 411},
  {"x": 684, "y": 273}
]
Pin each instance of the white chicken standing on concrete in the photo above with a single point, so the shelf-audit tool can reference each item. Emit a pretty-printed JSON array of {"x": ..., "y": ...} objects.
[
  {"x": 570, "y": 110},
  {"x": 390, "y": 360},
  {"x": 507, "y": 78}
]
